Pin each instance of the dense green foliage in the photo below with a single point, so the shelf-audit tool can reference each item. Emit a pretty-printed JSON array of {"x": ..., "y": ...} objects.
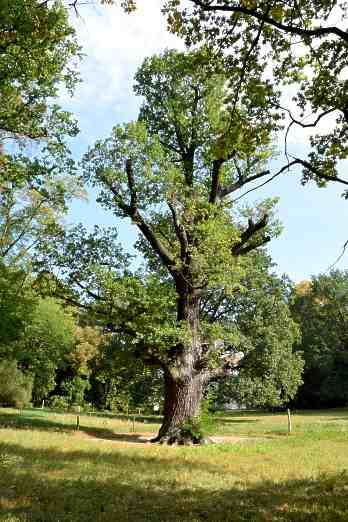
[
  {"x": 122, "y": 383},
  {"x": 15, "y": 387},
  {"x": 46, "y": 341},
  {"x": 17, "y": 302},
  {"x": 320, "y": 306},
  {"x": 36, "y": 45},
  {"x": 269, "y": 372}
]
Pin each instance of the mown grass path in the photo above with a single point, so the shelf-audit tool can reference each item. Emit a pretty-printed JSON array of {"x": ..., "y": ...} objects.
[{"x": 50, "y": 472}]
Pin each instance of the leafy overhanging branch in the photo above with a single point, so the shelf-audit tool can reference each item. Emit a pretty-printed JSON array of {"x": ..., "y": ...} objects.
[{"x": 263, "y": 16}]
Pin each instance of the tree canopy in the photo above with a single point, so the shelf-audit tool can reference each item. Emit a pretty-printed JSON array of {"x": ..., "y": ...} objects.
[
  {"x": 303, "y": 45},
  {"x": 37, "y": 45},
  {"x": 320, "y": 306}
]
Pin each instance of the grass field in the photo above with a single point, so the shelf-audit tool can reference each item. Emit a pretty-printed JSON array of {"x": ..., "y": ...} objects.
[{"x": 51, "y": 472}]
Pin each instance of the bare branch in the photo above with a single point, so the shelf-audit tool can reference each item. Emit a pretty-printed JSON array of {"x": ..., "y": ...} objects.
[
  {"x": 300, "y": 122},
  {"x": 286, "y": 167},
  {"x": 214, "y": 191},
  {"x": 244, "y": 246},
  {"x": 340, "y": 256},
  {"x": 317, "y": 172},
  {"x": 225, "y": 191},
  {"x": 180, "y": 232}
]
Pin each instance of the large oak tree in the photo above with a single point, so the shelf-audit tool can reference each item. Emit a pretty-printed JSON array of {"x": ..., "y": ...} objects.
[{"x": 174, "y": 174}]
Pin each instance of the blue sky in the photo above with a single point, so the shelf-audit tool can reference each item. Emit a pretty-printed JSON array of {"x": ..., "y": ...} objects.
[{"x": 315, "y": 220}]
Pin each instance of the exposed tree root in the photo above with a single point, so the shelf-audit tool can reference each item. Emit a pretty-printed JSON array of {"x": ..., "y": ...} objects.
[{"x": 181, "y": 439}]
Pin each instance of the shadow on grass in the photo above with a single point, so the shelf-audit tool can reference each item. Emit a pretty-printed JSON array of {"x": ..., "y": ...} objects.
[
  {"x": 343, "y": 412},
  {"x": 226, "y": 420},
  {"x": 50, "y": 485},
  {"x": 150, "y": 419},
  {"x": 33, "y": 421},
  {"x": 30, "y": 420},
  {"x": 119, "y": 437}
]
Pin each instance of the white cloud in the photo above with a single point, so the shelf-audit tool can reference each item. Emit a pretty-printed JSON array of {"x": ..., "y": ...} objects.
[{"x": 115, "y": 44}]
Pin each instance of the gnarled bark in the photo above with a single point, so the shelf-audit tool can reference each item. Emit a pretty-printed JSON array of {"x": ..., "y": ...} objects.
[
  {"x": 184, "y": 380},
  {"x": 182, "y": 401}
]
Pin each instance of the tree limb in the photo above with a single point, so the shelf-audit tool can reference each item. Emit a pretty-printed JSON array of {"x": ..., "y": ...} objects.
[
  {"x": 180, "y": 232},
  {"x": 214, "y": 191},
  {"x": 319, "y": 174},
  {"x": 286, "y": 167},
  {"x": 243, "y": 246},
  {"x": 318, "y": 32},
  {"x": 225, "y": 191},
  {"x": 132, "y": 211},
  {"x": 131, "y": 186}
]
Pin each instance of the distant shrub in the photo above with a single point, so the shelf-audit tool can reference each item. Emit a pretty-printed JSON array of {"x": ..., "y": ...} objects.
[
  {"x": 74, "y": 390},
  {"x": 15, "y": 386},
  {"x": 73, "y": 394},
  {"x": 57, "y": 402}
]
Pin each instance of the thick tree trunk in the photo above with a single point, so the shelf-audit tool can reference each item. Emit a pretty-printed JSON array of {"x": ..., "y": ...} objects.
[
  {"x": 185, "y": 378},
  {"x": 181, "y": 407}
]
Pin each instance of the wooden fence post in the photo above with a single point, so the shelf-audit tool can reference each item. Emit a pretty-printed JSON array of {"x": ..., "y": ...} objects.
[
  {"x": 289, "y": 421},
  {"x": 78, "y": 418}
]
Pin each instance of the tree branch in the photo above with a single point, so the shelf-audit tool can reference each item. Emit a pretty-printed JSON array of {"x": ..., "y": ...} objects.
[
  {"x": 25, "y": 134},
  {"x": 318, "y": 32},
  {"x": 180, "y": 232},
  {"x": 306, "y": 125},
  {"x": 252, "y": 246},
  {"x": 214, "y": 191},
  {"x": 132, "y": 211},
  {"x": 243, "y": 246},
  {"x": 317, "y": 172},
  {"x": 91, "y": 294},
  {"x": 286, "y": 167},
  {"x": 131, "y": 186},
  {"x": 225, "y": 191}
]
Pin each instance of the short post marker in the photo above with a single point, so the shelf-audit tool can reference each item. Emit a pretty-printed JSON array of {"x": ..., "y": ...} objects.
[
  {"x": 78, "y": 418},
  {"x": 289, "y": 421}
]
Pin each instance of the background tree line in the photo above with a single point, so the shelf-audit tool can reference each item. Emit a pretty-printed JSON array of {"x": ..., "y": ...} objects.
[{"x": 66, "y": 358}]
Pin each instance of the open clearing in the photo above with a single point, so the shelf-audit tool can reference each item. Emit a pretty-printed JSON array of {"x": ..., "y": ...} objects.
[{"x": 104, "y": 472}]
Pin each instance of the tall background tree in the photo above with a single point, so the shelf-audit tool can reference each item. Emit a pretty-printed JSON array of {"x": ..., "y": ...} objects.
[
  {"x": 37, "y": 45},
  {"x": 39, "y": 54},
  {"x": 320, "y": 306}
]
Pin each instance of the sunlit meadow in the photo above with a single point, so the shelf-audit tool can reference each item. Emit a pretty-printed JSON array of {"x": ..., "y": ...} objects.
[{"x": 106, "y": 472}]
